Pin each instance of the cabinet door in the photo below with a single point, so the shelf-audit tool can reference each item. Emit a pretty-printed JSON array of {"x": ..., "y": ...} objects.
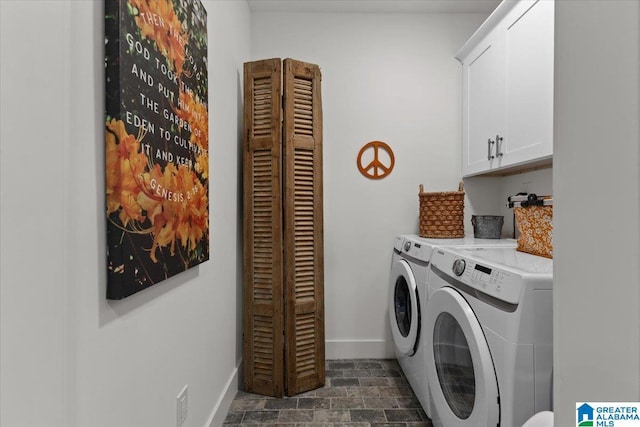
[
  {"x": 483, "y": 104},
  {"x": 529, "y": 82}
]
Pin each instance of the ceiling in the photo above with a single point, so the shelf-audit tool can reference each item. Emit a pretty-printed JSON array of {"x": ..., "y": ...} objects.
[{"x": 375, "y": 6}]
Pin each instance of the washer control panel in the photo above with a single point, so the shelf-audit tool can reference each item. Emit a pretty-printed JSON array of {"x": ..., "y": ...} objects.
[
  {"x": 458, "y": 266},
  {"x": 417, "y": 250},
  {"x": 489, "y": 279}
]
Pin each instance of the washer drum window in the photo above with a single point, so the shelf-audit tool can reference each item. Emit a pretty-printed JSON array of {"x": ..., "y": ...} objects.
[
  {"x": 404, "y": 310},
  {"x": 454, "y": 365},
  {"x": 402, "y": 304}
]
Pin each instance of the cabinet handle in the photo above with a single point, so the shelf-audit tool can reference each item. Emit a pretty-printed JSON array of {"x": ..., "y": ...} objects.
[
  {"x": 489, "y": 143},
  {"x": 499, "y": 146}
]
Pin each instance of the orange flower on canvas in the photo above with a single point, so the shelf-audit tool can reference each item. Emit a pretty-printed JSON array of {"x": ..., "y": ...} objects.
[
  {"x": 156, "y": 141},
  {"x": 158, "y": 21},
  {"x": 125, "y": 164},
  {"x": 170, "y": 204}
]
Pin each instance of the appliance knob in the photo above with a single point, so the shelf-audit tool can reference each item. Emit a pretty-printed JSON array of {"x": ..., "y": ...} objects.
[
  {"x": 407, "y": 246},
  {"x": 459, "y": 266}
]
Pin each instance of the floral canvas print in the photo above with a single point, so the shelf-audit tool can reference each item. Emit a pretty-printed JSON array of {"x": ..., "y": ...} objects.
[{"x": 157, "y": 141}]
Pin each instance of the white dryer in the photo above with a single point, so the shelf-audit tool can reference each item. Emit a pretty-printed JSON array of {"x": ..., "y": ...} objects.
[
  {"x": 489, "y": 332},
  {"x": 408, "y": 292}
]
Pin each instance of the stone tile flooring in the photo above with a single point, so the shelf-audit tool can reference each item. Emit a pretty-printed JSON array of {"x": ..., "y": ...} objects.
[{"x": 358, "y": 393}]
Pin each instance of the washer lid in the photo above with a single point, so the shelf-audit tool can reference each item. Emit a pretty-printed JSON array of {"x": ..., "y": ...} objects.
[{"x": 511, "y": 258}]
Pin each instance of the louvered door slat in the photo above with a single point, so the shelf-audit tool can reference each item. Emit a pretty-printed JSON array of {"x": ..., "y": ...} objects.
[
  {"x": 262, "y": 100},
  {"x": 302, "y": 106},
  {"x": 303, "y": 255},
  {"x": 263, "y": 291}
]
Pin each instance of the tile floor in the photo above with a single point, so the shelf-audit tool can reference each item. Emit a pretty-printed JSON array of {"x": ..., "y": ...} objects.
[{"x": 358, "y": 393}]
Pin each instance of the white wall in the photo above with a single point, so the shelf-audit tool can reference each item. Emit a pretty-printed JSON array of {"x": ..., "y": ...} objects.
[
  {"x": 597, "y": 193},
  {"x": 388, "y": 77},
  {"x": 34, "y": 286},
  {"x": 69, "y": 357}
]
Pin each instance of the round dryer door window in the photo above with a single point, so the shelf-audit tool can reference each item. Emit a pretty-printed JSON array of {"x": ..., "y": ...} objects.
[
  {"x": 459, "y": 365},
  {"x": 404, "y": 310},
  {"x": 454, "y": 365}
]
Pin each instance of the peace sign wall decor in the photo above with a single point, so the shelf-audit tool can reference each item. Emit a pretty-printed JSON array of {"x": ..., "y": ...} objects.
[{"x": 376, "y": 168}]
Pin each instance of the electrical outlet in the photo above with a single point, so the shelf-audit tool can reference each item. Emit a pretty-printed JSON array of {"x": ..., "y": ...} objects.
[{"x": 182, "y": 406}]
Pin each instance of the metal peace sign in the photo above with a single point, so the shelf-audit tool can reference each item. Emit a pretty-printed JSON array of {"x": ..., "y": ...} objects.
[{"x": 376, "y": 169}]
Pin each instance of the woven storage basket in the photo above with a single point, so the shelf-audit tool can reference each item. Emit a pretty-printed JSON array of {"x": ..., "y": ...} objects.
[{"x": 442, "y": 214}]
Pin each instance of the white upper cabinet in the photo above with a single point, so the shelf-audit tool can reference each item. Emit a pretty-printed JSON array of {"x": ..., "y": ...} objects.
[
  {"x": 507, "y": 118},
  {"x": 484, "y": 106}
]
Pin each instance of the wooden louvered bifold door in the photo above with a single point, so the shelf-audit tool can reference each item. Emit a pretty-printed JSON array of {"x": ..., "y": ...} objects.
[
  {"x": 263, "y": 291},
  {"x": 283, "y": 335},
  {"x": 303, "y": 228}
]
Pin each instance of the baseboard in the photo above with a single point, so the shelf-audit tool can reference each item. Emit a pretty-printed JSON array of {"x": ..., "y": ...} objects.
[
  {"x": 358, "y": 349},
  {"x": 221, "y": 407}
]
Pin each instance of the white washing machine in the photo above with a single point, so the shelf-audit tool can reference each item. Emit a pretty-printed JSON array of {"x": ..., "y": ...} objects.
[
  {"x": 408, "y": 292},
  {"x": 489, "y": 337}
]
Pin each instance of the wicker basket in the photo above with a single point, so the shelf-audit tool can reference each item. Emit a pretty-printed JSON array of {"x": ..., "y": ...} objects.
[{"x": 442, "y": 214}]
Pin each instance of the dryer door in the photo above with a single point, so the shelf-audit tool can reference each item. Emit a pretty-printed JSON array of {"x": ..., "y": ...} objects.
[
  {"x": 404, "y": 309},
  {"x": 462, "y": 378}
]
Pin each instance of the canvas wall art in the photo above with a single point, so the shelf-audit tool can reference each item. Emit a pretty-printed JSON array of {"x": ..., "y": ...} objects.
[{"x": 157, "y": 141}]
